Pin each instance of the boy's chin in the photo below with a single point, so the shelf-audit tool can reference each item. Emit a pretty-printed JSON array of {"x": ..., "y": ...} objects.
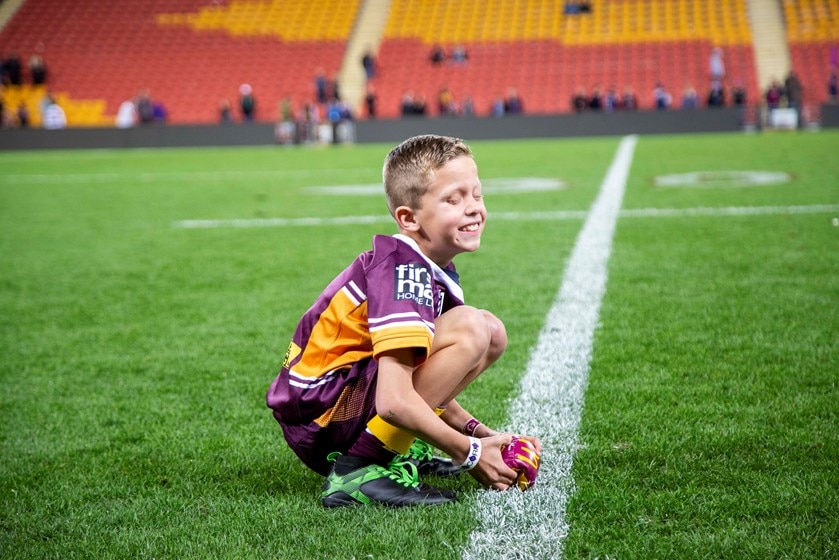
[{"x": 471, "y": 247}]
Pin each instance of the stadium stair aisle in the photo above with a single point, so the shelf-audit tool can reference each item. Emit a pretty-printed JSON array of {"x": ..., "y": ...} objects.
[
  {"x": 367, "y": 34},
  {"x": 772, "y": 57},
  {"x": 8, "y": 8}
]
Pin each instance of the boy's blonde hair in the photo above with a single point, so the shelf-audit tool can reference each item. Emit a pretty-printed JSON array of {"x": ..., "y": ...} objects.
[{"x": 408, "y": 168}]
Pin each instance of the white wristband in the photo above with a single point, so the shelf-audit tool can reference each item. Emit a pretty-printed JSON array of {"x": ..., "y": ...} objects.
[{"x": 474, "y": 454}]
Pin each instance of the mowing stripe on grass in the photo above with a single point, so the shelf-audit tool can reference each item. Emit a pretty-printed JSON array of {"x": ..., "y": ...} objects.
[
  {"x": 512, "y": 216},
  {"x": 729, "y": 211},
  {"x": 532, "y": 524},
  {"x": 181, "y": 176}
]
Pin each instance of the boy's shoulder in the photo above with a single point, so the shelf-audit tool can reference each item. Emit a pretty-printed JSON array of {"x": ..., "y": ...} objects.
[
  {"x": 388, "y": 247},
  {"x": 385, "y": 249}
]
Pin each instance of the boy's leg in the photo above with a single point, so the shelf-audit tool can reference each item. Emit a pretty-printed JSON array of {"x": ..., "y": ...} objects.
[{"x": 466, "y": 342}]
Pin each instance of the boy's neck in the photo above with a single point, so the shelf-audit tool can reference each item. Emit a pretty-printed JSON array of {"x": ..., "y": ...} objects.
[{"x": 417, "y": 242}]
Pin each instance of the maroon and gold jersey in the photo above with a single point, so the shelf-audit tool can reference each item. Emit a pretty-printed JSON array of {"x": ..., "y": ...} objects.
[{"x": 387, "y": 299}]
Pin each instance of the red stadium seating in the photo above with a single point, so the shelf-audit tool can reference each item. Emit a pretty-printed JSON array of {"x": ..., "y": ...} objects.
[
  {"x": 813, "y": 37},
  {"x": 547, "y": 55},
  {"x": 192, "y": 53},
  {"x": 110, "y": 49}
]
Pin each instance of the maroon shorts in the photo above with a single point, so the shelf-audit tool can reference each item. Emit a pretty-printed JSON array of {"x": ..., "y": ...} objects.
[{"x": 339, "y": 427}]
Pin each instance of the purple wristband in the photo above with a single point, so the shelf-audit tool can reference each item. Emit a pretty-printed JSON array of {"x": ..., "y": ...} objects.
[{"x": 471, "y": 426}]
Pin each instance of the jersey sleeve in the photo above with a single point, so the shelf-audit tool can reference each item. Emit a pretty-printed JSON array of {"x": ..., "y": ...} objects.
[{"x": 401, "y": 300}]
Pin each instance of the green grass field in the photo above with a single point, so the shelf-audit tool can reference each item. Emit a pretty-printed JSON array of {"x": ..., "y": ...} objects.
[{"x": 136, "y": 353}]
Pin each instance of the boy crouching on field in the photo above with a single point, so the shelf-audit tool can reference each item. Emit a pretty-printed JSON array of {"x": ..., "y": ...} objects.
[{"x": 376, "y": 364}]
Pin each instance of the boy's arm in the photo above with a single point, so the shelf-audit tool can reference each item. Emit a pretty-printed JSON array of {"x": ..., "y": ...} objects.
[
  {"x": 456, "y": 416},
  {"x": 400, "y": 405}
]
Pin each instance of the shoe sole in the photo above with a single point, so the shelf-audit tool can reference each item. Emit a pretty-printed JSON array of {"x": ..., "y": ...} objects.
[
  {"x": 342, "y": 499},
  {"x": 339, "y": 499}
]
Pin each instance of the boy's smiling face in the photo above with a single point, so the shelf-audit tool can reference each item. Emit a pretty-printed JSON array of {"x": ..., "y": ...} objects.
[{"x": 452, "y": 214}]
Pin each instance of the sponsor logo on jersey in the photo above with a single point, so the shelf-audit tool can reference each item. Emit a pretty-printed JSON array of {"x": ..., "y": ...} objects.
[
  {"x": 292, "y": 352},
  {"x": 413, "y": 282}
]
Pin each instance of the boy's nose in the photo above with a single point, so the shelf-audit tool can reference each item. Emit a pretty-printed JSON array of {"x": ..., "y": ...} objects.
[{"x": 474, "y": 206}]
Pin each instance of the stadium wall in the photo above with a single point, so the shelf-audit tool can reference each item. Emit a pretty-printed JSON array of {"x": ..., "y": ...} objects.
[
  {"x": 396, "y": 130},
  {"x": 830, "y": 115}
]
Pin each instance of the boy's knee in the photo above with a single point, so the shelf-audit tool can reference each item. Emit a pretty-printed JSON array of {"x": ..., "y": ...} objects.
[
  {"x": 498, "y": 335},
  {"x": 479, "y": 330}
]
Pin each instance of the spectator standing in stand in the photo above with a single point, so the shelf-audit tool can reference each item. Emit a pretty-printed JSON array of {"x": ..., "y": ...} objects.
[
  {"x": 738, "y": 94},
  {"x": 629, "y": 101},
  {"x": 368, "y": 61},
  {"x": 579, "y": 101},
  {"x": 497, "y": 107},
  {"x": 611, "y": 101},
  {"x": 793, "y": 90},
  {"x": 12, "y": 70},
  {"x": 513, "y": 104},
  {"x": 595, "y": 101},
  {"x": 370, "y": 101},
  {"x": 774, "y": 95},
  {"x": 37, "y": 70},
  {"x": 460, "y": 55},
  {"x": 23, "y": 115},
  {"x": 285, "y": 130},
  {"x": 716, "y": 95},
  {"x": 795, "y": 95},
  {"x": 145, "y": 107},
  {"x": 126, "y": 114},
  {"x": 445, "y": 102},
  {"x": 225, "y": 111},
  {"x": 661, "y": 97},
  {"x": 54, "y": 117},
  {"x": 320, "y": 85},
  {"x": 247, "y": 103},
  {"x": 159, "y": 112},
  {"x": 334, "y": 88},
  {"x": 437, "y": 55},
  {"x": 468, "y": 106},
  {"x": 690, "y": 99},
  {"x": 716, "y": 65}
]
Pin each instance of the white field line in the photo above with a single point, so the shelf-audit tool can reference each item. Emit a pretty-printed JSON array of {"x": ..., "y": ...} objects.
[
  {"x": 514, "y": 216},
  {"x": 156, "y": 176},
  {"x": 532, "y": 524}
]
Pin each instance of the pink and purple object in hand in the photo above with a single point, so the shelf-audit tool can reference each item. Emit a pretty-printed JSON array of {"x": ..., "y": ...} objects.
[{"x": 521, "y": 456}]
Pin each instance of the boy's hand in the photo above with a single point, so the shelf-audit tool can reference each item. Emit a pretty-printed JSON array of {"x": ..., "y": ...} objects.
[{"x": 491, "y": 470}]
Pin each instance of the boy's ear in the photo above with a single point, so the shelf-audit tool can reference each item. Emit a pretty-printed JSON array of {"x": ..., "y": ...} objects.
[{"x": 406, "y": 218}]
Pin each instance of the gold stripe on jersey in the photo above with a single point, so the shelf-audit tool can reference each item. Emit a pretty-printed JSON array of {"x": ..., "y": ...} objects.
[
  {"x": 398, "y": 336},
  {"x": 339, "y": 338}
]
